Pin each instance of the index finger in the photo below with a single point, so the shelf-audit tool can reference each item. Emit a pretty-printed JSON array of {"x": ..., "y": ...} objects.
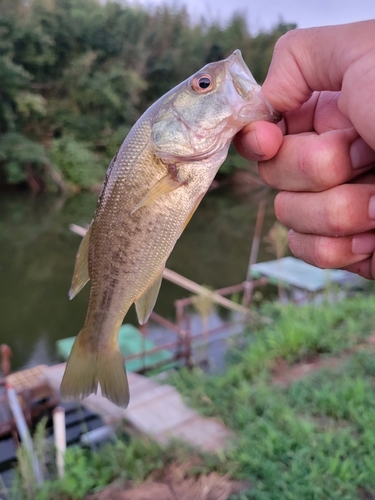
[{"x": 306, "y": 60}]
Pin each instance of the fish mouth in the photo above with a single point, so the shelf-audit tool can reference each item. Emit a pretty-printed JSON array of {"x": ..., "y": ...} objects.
[
  {"x": 254, "y": 106},
  {"x": 241, "y": 74}
]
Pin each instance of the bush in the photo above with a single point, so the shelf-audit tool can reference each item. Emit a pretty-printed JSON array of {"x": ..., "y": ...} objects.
[
  {"x": 76, "y": 162},
  {"x": 18, "y": 153}
]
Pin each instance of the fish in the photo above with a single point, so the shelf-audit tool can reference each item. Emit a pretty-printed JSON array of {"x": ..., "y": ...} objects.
[{"x": 152, "y": 188}]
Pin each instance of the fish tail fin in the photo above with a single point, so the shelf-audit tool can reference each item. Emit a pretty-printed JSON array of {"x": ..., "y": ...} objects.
[{"x": 86, "y": 369}]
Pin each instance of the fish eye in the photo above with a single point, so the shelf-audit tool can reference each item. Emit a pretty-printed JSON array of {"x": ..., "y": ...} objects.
[{"x": 202, "y": 83}]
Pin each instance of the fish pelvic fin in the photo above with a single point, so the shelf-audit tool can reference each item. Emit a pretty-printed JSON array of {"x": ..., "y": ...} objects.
[
  {"x": 145, "y": 304},
  {"x": 81, "y": 270},
  {"x": 86, "y": 369},
  {"x": 166, "y": 184}
]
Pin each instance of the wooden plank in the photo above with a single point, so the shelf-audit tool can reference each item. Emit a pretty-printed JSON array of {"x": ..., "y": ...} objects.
[
  {"x": 190, "y": 285},
  {"x": 159, "y": 415},
  {"x": 81, "y": 231},
  {"x": 206, "y": 433},
  {"x": 155, "y": 409}
]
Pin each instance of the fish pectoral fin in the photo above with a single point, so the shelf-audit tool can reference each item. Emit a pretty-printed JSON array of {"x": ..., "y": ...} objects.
[
  {"x": 145, "y": 304},
  {"x": 81, "y": 270},
  {"x": 165, "y": 185},
  {"x": 86, "y": 369}
]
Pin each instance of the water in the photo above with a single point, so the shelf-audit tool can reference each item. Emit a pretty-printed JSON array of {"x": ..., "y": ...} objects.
[{"x": 37, "y": 254}]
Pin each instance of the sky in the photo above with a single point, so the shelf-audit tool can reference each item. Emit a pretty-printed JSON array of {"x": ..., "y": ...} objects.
[{"x": 265, "y": 14}]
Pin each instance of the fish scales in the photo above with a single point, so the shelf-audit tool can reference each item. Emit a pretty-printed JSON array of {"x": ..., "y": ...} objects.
[{"x": 152, "y": 188}]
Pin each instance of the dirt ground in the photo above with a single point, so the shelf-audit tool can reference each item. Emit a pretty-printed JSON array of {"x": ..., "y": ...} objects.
[
  {"x": 284, "y": 375},
  {"x": 174, "y": 485}
]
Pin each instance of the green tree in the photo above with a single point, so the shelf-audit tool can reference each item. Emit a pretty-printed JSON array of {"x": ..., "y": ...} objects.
[{"x": 75, "y": 75}]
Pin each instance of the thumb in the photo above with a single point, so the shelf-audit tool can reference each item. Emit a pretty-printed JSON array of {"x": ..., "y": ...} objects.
[{"x": 306, "y": 60}]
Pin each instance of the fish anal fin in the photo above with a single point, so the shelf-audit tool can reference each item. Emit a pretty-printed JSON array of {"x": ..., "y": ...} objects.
[
  {"x": 145, "y": 304},
  {"x": 81, "y": 270},
  {"x": 86, "y": 369},
  {"x": 165, "y": 185}
]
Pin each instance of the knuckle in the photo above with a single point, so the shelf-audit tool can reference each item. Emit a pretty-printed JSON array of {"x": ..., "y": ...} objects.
[
  {"x": 325, "y": 253},
  {"x": 319, "y": 251},
  {"x": 280, "y": 207},
  {"x": 332, "y": 173},
  {"x": 320, "y": 165},
  {"x": 286, "y": 41},
  {"x": 339, "y": 211}
]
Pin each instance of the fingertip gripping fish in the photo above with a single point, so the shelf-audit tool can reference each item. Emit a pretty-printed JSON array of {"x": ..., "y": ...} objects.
[{"x": 152, "y": 188}]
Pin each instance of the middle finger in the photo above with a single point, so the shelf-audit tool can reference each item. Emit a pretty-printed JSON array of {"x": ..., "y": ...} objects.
[
  {"x": 312, "y": 162},
  {"x": 340, "y": 211}
]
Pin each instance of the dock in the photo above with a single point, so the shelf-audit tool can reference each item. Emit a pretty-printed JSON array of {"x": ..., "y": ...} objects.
[{"x": 155, "y": 409}]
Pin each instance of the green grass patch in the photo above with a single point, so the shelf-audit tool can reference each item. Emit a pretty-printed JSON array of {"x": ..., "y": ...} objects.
[
  {"x": 315, "y": 439},
  {"x": 300, "y": 333},
  {"x": 312, "y": 440},
  {"x": 127, "y": 460}
]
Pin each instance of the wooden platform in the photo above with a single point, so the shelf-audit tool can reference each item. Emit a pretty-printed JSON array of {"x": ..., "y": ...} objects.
[{"x": 155, "y": 409}]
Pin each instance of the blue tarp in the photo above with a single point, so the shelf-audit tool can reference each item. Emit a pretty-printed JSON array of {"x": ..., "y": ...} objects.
[{"x": 294, "y": 272}]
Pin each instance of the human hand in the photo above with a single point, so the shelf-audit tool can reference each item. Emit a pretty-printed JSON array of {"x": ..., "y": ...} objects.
[{"x": 323, "y": 80}]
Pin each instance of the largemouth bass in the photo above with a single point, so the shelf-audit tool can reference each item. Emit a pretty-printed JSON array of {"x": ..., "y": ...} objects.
[{"x": 152, "y": 188}]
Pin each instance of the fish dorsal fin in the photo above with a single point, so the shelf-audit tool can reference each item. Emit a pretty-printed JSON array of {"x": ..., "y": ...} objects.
[
  {"x": 81, "y": 270},
  {"x": 165, "y": 185},
  {"x": 145, "y": 304}
]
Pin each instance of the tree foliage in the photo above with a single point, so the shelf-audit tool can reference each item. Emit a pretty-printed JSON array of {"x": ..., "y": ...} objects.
[{"x": 80, "y": 72}]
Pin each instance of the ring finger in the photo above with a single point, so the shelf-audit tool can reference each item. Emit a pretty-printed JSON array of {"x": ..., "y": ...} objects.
[
  {"x": 330, "y": 253},
  {"x": 340, "y": 211}
]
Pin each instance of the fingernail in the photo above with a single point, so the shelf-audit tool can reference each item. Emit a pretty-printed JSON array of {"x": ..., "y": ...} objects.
[
  {"x": 361, "y": 155},
  {"x": 371, "y": 208},
  {"x": 363, "y": 243}
]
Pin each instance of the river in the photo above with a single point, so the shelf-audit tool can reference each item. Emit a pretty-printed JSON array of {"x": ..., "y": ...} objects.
[{"x": 37, "y": 254}]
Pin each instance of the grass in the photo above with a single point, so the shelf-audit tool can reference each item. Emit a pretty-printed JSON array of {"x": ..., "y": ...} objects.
[
  {"x": 313, "y": 440},
  {"x": 126, "y": 461},
  {"x": 300, "y": 333}
]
